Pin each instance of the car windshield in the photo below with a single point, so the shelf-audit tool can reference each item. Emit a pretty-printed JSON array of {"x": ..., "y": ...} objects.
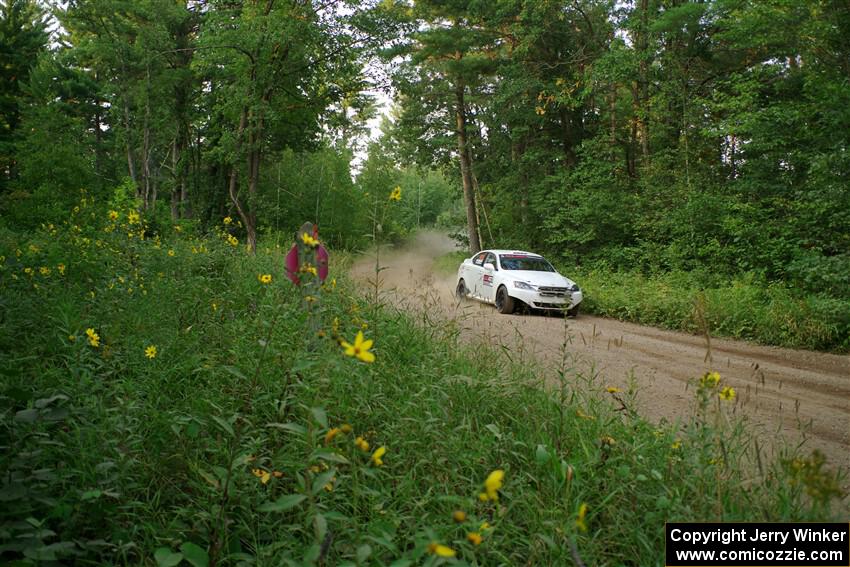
[{"x": 529, "y": 263}]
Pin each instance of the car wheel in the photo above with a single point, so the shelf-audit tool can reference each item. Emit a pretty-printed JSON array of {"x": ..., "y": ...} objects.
[
  {"x": 573, "y": 312},
  {"x": 504, "y": 302},
  {"x": 461, "y": 292}
]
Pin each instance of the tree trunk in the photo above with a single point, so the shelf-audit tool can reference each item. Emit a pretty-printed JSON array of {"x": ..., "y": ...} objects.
[
  {"x": 131, "y": 163},
  {"x": 466, "y": 169}
]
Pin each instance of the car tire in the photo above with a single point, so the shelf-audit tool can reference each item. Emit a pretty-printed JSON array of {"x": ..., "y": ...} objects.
[
  {"x": 573, "y": 312},
  {"x": 504, "y": 302},
  {"x": 461, "y": 292}
]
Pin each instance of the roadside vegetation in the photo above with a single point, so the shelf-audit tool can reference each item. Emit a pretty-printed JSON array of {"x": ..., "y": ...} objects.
[{"x": 163, "y": 402}]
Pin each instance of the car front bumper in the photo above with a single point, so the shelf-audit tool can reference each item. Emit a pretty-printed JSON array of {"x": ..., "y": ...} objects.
[{"x": 546, "y": 301}]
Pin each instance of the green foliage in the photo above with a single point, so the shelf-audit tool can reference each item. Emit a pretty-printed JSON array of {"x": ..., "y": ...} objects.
[
  {"x": 746, "y": 307},
  {"x": 23, "y": 37},
  {"x": 228, "y": 443}
]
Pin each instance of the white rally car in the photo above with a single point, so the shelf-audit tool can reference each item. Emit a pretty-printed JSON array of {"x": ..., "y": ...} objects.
[{"x": 509, "y": 278}]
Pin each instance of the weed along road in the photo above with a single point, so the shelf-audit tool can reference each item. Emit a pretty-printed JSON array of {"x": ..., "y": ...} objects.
[{"x": 801, "y": 396}]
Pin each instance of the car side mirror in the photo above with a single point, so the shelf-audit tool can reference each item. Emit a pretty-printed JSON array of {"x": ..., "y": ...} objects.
[{"x": 489, "y": 266}]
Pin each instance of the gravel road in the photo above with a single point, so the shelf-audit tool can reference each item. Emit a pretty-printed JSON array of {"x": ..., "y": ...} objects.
[{"x": 801, "y": 396}]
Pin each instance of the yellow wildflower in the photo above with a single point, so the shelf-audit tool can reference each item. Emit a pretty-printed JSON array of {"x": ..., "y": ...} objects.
[
  {"x": 676, "y": 444},
  {"x": 28, "y": 271},
  {"x": 709, "y": 380},
  {"x": 265, "y": 278},
  {"x": 61, "y": 268},
  {"x": 376, "y": 456},
  {"x": 214, "y": 306},
  {"x": 485, "y": 526},
  {"x": 333, "y": 432},
  {"x": 309, "y": 240},
  {"x": 227, "y": 220},
  {"x": 459, "y": 516},
  {"x": 474, "y": 538},
  {"x": 396, "y": 194},
  {"x": 308, "y": 268},
  {"x": 264, "y": 476},
  {"x": 171, "y": 253},
  {"x": 580, "y": 519},
  {"x": 727, "y": 394},
  {"x": 607, "y": 440},
  {"x": 612, "y": 390},
  {"x": 177, "y": 228},
  {"x": 232, "y": 240},
  {"x": 133, "y": 217},
  {"x": 440, "y": 550},
  {"x": 72, "y": 338},
  {"x": 44, "y": 271},
  {"x": 346, "y": 428},
  {"x": 492, "y": 486},
  {"x": 94, "y": 338},
  {"x": 360, "y": 348},
  {"x": 362, "y": 444},
  {"x": 150, "y": 352},
  {"x": 113, "y": 215}
]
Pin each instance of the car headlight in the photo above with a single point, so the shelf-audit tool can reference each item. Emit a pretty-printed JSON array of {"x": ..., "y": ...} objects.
[
  {"x": 575, "y": 287},
  {"x": 523, "y": 285}
]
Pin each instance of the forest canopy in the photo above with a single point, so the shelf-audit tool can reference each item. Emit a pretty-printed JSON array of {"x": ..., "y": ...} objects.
[{"x": 650, "y": 135}]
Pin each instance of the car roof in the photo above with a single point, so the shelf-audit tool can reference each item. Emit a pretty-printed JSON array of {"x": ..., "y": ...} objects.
[{"x": 514, "y": 252}]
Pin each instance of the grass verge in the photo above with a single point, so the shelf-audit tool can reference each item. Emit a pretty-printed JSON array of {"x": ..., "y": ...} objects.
[{"x": 241, "y": 439}]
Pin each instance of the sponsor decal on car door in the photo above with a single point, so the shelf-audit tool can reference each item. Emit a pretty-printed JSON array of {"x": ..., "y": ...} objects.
[
  {"x": 475, "y": 274},
  {"x": 488, "y": 279}
]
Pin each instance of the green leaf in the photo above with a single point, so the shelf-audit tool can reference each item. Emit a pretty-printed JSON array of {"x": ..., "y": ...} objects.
[
  {"x": 320, "y": 527},
  {"x": 321, "y": 480},
  {"x": 27, "y": 415},
  {"x": 283, "y": 503},
  {"x": 226, "y": 427},
  {"x": 363, "y": 552},
  {"x": 236, "y": 372},
  {"x": 330, "y": 456},
  {"x": 320, "y": 416},
  {"x": 195, "y": 554},
  {"x": 541, "y": 455},
  {"x": 166, "y": 558},
  {"x": 291, "y": 427}
]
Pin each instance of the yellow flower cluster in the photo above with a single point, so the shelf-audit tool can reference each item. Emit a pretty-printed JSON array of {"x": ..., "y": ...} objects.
[
  {"x": 395, "y": 195},
  {"x": 265, "y": 476},
  {"x": 711, "y": 380},
  {"x": 492, "y": 486},
  {"x": 309, "y": 240},
  {"x": 94, "y": 338},
  {"x": 581, "y": 522}
]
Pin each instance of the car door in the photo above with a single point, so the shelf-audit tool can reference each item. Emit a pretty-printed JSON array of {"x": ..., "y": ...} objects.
[
  {"x": 488, "y": 278},
  {"x": 474, "y": 274}
]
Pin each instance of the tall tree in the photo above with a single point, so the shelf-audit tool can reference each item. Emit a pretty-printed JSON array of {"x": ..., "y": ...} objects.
[{"x": 23, "y": 37}]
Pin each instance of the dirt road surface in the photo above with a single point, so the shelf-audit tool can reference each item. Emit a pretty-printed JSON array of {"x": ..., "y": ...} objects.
[{"x": 800, "y": 396}]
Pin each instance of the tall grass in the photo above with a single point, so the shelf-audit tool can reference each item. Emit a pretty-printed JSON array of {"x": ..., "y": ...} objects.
[
  {"x": 230, "y": 445},
  {"x": 741, "y": 308}
]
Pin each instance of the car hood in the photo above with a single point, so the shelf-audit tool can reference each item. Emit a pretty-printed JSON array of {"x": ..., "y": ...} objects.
[{"x": 549, "y": 279}]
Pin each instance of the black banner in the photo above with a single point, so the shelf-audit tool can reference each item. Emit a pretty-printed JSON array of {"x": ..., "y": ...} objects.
[{"x": 738, "y": 544}]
